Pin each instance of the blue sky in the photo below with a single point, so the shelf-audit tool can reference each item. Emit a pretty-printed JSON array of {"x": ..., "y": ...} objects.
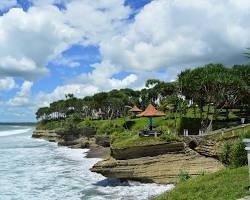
[{"x": 53, "y": 47}]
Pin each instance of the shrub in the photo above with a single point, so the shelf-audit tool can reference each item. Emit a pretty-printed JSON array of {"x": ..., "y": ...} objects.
[
  {"x": 109, "y": 127},
  {"x": 168, "y": 137},
  {"x": 183, "y": 176},
  {"x": 225, "y": 155},
  {"x": 128, "y": 124},
  {"x": 245, "y": 134},
  {"x": 234, "y": 153},
  {"x": 89, "y": 123},
  {"x": 120, "y": 136},
  {"x": 239, "y": 154},
  {"x": 70, "y": 125}
]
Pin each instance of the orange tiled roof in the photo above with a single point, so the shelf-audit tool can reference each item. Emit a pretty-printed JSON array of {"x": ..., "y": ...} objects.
[{"x": 151, "y": 112}]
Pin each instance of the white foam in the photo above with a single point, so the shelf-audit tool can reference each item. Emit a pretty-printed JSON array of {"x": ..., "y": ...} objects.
[
  {"x": 110, "y": 189},
  {"x": 14, "y": 132},
  {"x": 72, "y": 154}
]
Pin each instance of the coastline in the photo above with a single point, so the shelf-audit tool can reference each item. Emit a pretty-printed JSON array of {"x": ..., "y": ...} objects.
[
  {"x": 159, "y": 163},
  {"x": 99, "y": 153},
  {"x": 94, "y": 150}
]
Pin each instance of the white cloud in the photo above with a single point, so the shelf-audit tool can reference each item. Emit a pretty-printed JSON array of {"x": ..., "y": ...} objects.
[
  {"x": 23, "y": 97},
  {"x": 48, "y": 2},
  {"x": 116, "y": 83},
  {"x": 79, "y": 90},
  {"x": 180, "y": 33},
  {"x": 30, "y": 39},
  {"x": 165, "y": 35},
  {"x": 97, "y": 20},
  {"x": 69, "y": 62},
  {"x": 164, "y": 38},
  {"x": 6, "y": 4},
  {"x": 7, "y": 83}
]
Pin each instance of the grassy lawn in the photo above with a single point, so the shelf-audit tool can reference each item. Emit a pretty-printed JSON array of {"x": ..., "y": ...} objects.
[
  {"x": 228, "y": 184},
  {"x": 129, "y": 139}
]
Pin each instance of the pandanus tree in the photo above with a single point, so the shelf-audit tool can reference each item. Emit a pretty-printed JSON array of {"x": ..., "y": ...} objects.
[
  {"x": 243, "y": 71},
  {"x": 43, "y": 113},
  {"x": 212, "y": 85}
]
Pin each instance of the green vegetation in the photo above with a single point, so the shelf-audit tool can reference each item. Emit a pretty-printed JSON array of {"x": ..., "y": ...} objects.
[
  {"x": 183, "y": 176},
  {"x": 208, "y": 98},
  {"x": 234, "y": 153},
  {"x": 129, "y": 138},
  {"x": 228, "y": 184}
]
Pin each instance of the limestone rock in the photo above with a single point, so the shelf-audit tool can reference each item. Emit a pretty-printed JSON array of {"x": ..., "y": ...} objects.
[
  {"x": 213, "y": 147},
  {"x": 160, "y": 169},
  {"x": 146, "y": 150},
  {"x": 48, "y": 135}
]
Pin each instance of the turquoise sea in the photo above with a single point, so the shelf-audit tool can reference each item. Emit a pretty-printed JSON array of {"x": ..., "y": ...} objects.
[{"x": 34, "y": 169}]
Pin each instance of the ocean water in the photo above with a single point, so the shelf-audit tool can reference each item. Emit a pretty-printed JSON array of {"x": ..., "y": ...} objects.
[{"x": 33, "y": 169}]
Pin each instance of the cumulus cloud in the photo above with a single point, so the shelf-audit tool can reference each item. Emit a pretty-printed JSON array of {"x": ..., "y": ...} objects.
[
  {"x": 97, "y": 20},
  {"x": 164, "y": 38},
  {"x": 7, "y": 83},
  {"x": 28, "y": 40},
  {"x": 69, "y": 62},
  {"x": 6, "y": 4},
  {"x": 23, "y": 96},
  {"x": 180, "y": 33},
  {"x": 79, "y": 90}
]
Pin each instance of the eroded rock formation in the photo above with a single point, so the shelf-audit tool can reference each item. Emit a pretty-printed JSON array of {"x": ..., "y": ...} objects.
[{"x": 160, "y": 169}]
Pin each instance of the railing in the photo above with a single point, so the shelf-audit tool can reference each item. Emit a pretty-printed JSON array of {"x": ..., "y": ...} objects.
[{"x": 222, "y": 131}]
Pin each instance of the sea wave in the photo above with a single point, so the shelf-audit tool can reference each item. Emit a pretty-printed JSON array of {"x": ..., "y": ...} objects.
[{"x": 14, "y": 132}]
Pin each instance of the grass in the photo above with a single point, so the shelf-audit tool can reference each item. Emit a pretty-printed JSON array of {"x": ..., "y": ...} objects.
[
  {"x": 50, "y": 125},
  {"x": 129, "y": 139},
  {"x": 240, "y": 132},
  {"x": 228, "y": 184}
]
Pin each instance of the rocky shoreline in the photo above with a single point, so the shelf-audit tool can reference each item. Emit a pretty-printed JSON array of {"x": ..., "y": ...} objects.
[
  {"x": 161, "y": 163},
  {"x": 83, "y": 142},
  {"x": 163, "y": 168}
]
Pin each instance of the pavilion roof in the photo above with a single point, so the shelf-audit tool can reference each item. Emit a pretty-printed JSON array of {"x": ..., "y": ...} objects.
[
  {"x": 151, "y": 112},
  {"x": 100, "y": 112},
  {"x": 135, "y": 109}
]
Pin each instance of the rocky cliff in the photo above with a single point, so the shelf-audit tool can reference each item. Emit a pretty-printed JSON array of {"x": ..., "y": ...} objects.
[
  {"x": 160, "y": 169},
  {"x": 146, "y": 150},
  {"x": 84, "y": 139},
  {"x": 49, "y": 135},
  {"x": 212, "y": 146}
]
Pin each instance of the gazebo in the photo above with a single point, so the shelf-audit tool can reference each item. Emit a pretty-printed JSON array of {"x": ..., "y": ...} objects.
[
  {"x": 151, "y": 112},
  {"x": 135, "y": 110}
]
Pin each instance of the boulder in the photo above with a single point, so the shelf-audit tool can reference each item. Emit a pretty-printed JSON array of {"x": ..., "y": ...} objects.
[{"x": 103, "y": 141}]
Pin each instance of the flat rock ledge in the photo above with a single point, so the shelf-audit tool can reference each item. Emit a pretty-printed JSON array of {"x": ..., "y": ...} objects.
[
  {"x": 49, "y": 135},
  {"x": 163, "y": 169}
]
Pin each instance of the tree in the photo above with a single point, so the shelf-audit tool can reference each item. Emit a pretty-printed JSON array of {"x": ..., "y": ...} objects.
[{"x": 212, "y": 84}]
